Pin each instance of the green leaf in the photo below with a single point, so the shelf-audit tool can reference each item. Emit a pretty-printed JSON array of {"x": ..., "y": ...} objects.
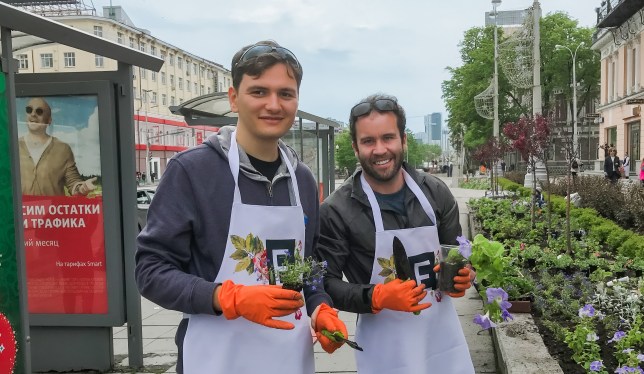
[
  {"x": 385, "y": 263},
  {"x": 385, "y": 272},
  {"x": 243, "y": 264},
  {"x": 239, "y": 254},
  {"x": 238, "y": 242}
]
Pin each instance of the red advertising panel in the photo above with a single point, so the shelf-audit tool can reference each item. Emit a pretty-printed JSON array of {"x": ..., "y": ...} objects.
[
  {"x": 60, "y": 174},
  {"x": 199, "y": 137}
]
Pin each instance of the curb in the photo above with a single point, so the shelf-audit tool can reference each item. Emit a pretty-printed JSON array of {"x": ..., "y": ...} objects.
[{"x": 520, "y": 348}]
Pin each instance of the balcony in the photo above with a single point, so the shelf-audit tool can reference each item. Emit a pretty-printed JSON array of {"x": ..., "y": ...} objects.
[{"x": 614, "y": 13}]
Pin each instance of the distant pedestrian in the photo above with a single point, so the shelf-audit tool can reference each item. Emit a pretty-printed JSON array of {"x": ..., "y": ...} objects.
[
  {"x": 611, "y": 166},
  {"x": 574, "y": 167},
  {"x": 626, "y": 164},
  {"x": 642, "y": 173}
]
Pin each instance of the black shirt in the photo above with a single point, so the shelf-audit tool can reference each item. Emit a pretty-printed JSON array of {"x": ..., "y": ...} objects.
[{"x": 266, "y": 168}]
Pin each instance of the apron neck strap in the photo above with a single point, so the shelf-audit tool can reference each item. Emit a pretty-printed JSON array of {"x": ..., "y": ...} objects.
[
  {"x": 233, "y": 163},
  {"x": 375, "y": 207}
]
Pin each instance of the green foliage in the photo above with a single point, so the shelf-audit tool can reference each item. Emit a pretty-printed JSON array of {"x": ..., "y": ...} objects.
[
  {"x": 345, "y": 158},
  {"x": 583, "y": 342},
  {"x": 488, "y": 260},
  {"x": 475, "y": 184}
]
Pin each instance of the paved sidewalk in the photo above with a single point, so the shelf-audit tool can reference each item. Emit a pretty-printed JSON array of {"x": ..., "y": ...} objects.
[{"x": 159, "y": 326}]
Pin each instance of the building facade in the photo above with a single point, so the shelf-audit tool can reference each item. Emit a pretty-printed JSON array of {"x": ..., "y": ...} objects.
[
  {"x": 159, "y": 133},
  {"x": 619, "y": 40}
]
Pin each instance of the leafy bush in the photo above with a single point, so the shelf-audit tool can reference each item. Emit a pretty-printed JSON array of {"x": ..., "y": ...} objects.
[{"x": 515, "y": 176}]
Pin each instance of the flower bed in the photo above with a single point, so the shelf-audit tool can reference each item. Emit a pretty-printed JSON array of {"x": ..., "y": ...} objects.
[{"x": 587, "y": 296}]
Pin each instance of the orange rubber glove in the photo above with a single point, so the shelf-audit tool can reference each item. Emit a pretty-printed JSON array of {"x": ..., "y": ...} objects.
[
  {"x": 327, "y": 319},
  {"x": 462, "y": 281},
  {"x": 399, "y": 295},
  {"x": 259, "y": 303}
]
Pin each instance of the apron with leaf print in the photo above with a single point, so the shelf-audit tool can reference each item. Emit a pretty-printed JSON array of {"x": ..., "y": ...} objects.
[
  {"x": 403, "y": 343},
  {"x": 215, "y": 345}
]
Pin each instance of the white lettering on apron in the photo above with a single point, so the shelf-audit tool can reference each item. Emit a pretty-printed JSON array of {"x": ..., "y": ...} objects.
[{"x": 215, "y": 345}]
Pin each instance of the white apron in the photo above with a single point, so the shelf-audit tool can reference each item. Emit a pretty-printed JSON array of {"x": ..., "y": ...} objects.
[
  {"x": 403, "y": 343},
  {"x": 215, "y": 345}
]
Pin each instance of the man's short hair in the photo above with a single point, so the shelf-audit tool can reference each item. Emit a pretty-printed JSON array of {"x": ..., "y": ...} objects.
[
  {"x": 398, "y": 111},
  {"x": 256, "y": 65}
]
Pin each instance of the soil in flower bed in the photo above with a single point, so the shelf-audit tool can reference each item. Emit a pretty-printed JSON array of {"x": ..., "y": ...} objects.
[{"x": 560, "y": 351}]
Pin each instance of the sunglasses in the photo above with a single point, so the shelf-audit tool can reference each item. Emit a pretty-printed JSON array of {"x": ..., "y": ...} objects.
[
  {"x": 262, "y": 49},
  {"x": 381, "y": 105},
  {"x": 39, "y": 111}
]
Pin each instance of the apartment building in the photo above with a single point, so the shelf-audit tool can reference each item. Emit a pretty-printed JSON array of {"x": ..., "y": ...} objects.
[
  {"x": 183, "y": 76},
  {"x": 619, "y": 40}
]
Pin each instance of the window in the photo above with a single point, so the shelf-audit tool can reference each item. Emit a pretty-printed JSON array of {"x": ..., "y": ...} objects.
[
  {"x": 23, "y": 61},
  {"x": 171, "y": 57},
  {"x": 153, "y": 75},
  {"x": 70, "y": 59},
  {"x": 171, "y": 80},
  {"x": 164, "y": 99},
  {"x": 153, "y": 50},
  {"x": 98, "y": 61},
  {"x": 180, "y": 83},
  {"x": 162, "y": 55},
  {"x": 195, "y": 88},
  {"x": 188, "y": 68},
  {"x": 180, "y": 62},
  {"x": 194, "y": 68},
  {"x": 209, "y": 89},
  {"x": 203, "y": 72},
  {"x": 162, "y": 78},
  {"x": 142, "y": 47},
  {"x": 154, "y": 98},
  {"x": 187, "y": 85},
  {"x": 46, "y": 60},
  {"x": 202, "y": 90},
  {"x": 171, "y": 100},
  {"x": 131, "y": 42},
  {"x": 98, "y": 31},
  {"x": 119, "y": 37},
  {"x": 143, "y": 74}
]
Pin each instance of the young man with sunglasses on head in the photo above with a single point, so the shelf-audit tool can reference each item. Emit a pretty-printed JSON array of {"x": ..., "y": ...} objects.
[
  {"x": 47, "y": 164},
  {"x": 402, "y": 327},
  {"x": 208, "y": 247}
]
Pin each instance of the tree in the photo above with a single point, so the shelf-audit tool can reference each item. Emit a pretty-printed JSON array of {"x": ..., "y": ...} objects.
[
  {"x": 345, "y": 158},
  {"x": 474, "y": 76},
  {"x": 530, "y": 136}
]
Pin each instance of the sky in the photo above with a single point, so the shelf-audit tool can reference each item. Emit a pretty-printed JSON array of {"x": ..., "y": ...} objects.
[{"x": 348, "y": 49}]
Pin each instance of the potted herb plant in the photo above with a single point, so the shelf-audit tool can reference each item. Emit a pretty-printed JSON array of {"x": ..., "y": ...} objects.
[{"x": 452, "y": 259}]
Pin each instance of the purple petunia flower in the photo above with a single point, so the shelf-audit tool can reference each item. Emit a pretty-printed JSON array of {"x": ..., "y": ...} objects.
[
  {"x": 464, "y": 246},
  {"x": 587, "y": 311},
  {"x": 619, "y": 335},
  {"x": 596, "y": 366},
  {"x": 499, "y": 296},
  {"x": 628, "y": 369},
  {"x": 506, "y": 315},
  {"x": 640, "y": 357},
  {"x": 484, "y": 321}
]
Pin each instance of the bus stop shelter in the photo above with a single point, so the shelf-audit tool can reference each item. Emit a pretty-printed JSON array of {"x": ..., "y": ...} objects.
[
  {"x": 311, "y": 136},
  {"x": 36, "y": 335}
]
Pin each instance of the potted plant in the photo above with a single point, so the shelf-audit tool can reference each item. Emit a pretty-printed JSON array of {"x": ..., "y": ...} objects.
[
  {"x": 452, "y": 259},
  {"x": 295, "y": 273}
]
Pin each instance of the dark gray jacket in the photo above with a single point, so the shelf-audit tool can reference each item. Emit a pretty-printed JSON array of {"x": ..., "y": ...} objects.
[
  {"x": 348, "y": 235},
  {"x": 181, "y": 248}
]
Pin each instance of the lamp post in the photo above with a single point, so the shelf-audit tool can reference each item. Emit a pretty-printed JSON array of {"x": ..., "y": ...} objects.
[
  {"x": 495, "y": 125},
  {"x": 148, "y": 178},
  {"x": 575, "y": 144}
]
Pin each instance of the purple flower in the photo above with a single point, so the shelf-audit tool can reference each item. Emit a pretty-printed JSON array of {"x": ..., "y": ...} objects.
[
  {"x": 596, "y": 366},
  {"x": 619, "y": 335},
  {"x": 587, "y": 311},
  {"x": 484, "y": 321},
  {"x": 464, "y": 246},
  {"x": 640, "y": 357},
  {"x": 499, "y": 296},
  {"x": 628, "y": 369},
  {"x": 506, "y": 315}
]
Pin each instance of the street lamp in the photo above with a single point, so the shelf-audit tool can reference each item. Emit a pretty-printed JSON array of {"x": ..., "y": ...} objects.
[
  {"x": 574, "y": 94},
  {"x": 495, "y": 125}
]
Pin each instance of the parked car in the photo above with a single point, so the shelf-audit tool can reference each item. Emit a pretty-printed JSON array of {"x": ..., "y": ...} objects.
[{"x": 144, "y": 195}]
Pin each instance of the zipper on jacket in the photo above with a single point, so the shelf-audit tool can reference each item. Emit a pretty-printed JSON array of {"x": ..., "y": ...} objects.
[{"x": 270, "y": 190}]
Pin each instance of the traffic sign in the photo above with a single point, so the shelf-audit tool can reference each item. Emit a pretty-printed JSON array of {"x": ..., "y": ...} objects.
[
  {"x": 635, "y": 101},
  {"x": 593, "y": 115}
]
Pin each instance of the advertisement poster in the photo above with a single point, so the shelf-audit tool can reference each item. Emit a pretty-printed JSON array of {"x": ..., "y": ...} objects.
[
  {"x": 60, "y": 174},
  {"x": 9, "y": 297}
]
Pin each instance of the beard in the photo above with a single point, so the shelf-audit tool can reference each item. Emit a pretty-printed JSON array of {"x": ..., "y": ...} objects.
[{"x": 382, "y": 175}]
